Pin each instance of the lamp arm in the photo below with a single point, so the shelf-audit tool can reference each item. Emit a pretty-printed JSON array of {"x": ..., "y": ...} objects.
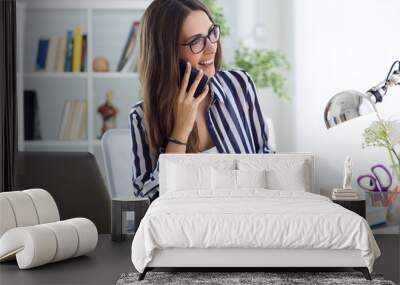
[
  {"x": 379, "y": 91},
  {"x": 390, "y": 71}
]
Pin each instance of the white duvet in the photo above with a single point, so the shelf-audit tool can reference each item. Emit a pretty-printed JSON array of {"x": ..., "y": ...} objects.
[{"x": 251, "y": 218}]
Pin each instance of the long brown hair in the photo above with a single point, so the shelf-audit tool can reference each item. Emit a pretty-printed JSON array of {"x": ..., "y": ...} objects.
[{"x": 158, "y": 68}]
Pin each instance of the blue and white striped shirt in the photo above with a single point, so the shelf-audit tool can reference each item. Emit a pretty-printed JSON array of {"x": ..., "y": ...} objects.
[{"x": 234, "y": 121}]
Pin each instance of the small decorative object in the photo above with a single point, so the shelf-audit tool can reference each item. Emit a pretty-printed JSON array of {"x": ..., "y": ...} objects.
[
  {"x": 101, "y": 64},
  {"x": 109, "y": 114},
  {"x": 346, "y": 192},
  {"x": 347, "y": 173}
]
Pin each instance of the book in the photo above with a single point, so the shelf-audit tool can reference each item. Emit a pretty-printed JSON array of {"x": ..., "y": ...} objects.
[
  {"x": 61, "y": 53},
  {"x": 123, "y": 54},
  {"x": 342, "y": 191},
  {"x": 129, "y": 45},
  {"x": 129, "y": 64},
  {"x": 66, "y": 118},
  {"x": 350, "y": 194},
  {"x": 31, "y": 116},
  {"x": 84, "y": 121},
  {"x": 355, "y": 196},
  {"x": 41, "y": 54},
  {"x": 73, "y": 124},
  {"x": 52, "y": 54},
  {"x": 69, "y": 49},
  {"x": 84, "y": 53},
  {"x": 77, "y": 120},
  {"x": 77, "y": 50}
]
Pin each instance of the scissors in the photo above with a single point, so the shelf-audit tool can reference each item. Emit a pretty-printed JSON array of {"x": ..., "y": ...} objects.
[{"x": 376, "y": 181}]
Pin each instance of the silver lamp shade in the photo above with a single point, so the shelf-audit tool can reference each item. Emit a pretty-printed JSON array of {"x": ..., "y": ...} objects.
[{"x": 347, "y": 105}]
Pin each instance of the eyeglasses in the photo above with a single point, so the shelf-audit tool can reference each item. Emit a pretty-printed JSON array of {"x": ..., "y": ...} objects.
[{"x": 198, "y": 44}]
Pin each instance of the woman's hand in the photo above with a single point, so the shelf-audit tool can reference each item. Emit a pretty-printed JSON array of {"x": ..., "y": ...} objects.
[{"x": 186, "y": 107}]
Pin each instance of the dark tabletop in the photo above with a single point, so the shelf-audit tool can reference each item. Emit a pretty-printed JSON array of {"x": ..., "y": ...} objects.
[{"x": 104, "y": 265}]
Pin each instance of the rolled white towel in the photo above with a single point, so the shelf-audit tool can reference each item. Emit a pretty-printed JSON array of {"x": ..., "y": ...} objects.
[
  {"x": 7, "y": 218},
  {"x": 67, "y": 239},
  {"x": 26, "y": 208},
  {"x": 87, "y": 234},
  {"x": 46, "y": 207},
  {"x": 33, "y": 246},
  {"x": 23, "y": 208},
  {"x": 40, "y": 244}
]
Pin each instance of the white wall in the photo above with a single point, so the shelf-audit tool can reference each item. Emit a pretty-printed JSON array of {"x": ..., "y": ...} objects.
[
  {"x": 332, "y": 45},
  {"x": 338, "y": 45},
  {"x": 261, "y": 24}
]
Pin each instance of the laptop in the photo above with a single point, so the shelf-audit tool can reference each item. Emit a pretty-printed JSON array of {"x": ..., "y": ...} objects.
[{"x": 73, "y": 179}]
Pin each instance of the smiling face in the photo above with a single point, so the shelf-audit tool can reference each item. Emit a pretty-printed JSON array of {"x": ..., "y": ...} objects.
[{"x": 198, "y": 24}]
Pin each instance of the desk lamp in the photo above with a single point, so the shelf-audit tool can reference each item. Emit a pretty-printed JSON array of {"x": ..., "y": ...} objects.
[{"x": 351, "y": 104}]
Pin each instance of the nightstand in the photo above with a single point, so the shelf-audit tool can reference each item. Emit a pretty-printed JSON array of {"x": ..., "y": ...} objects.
[
  {"x": 388, "y": 263},
  {"x": 121, "y": 207},
  {"x": 357, "y": 206}
]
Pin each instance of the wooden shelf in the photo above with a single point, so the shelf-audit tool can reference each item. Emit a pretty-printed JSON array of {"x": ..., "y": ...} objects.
[
  {"x": 43, "y": 75},
  {"x": 40, "y": 75},
  {"x": 115, "y": 75},
  {"x": 55, "y": 143}
]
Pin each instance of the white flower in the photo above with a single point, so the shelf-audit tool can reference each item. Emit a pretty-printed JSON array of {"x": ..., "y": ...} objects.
[
  {"x": 382, "y": 133},
  {"x": 394, "y": 132}
]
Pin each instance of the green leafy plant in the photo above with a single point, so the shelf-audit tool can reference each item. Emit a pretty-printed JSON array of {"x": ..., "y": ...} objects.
[
  {"x": 266, "y": 67},
  {"x": 218, "y": 15}
]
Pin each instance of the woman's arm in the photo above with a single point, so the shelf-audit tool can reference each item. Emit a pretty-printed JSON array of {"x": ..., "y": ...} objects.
[{"x": 144, "y": 174}]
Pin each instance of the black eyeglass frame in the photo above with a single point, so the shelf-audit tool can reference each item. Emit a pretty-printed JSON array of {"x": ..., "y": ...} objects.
[{"x": 204, "y": 39}]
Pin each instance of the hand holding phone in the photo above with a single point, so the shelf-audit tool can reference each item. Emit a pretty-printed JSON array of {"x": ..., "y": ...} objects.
[
  {"x": 193, "y": 74},
  {"x": 186, "y": 106}
]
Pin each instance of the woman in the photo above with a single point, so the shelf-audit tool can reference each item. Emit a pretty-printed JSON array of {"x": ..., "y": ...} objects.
[{"x": 224, "y": 118}]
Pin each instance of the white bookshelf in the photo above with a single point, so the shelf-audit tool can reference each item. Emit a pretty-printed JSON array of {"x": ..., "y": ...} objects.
[{"x": 107, "y": 24}]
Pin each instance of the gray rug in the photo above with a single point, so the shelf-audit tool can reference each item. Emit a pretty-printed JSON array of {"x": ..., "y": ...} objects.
[{"x": 230, "y": 278}]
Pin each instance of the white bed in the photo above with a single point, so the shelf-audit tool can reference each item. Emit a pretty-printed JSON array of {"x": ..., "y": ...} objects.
[{"x": 202, "y": 222}]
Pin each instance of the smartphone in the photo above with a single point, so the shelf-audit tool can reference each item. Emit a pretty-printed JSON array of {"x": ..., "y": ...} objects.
[{"x": 193, "y": 75}]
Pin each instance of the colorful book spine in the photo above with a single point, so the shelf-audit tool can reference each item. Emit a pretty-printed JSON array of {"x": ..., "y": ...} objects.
[
  {"x": 31, "y": 116},
  {"x": 129, "y": 46},
  {"x": 52, "y": 55},
  {"x": 84, "y": 121},
  {"x": 61, "y": 54},
  {"x": 68, "y": 59},
  {"x": 77, "y": 50},
  {"x": 62, "y": 135},
  {"x": 42, "y": 54},
  {"x": 84, "y": 53}
]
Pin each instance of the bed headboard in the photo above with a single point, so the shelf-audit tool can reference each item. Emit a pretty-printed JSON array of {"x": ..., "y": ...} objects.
[{"x": 232, "y": 161}]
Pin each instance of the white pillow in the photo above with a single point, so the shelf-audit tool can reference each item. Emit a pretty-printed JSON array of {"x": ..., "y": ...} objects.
[
  {"x": 292, "y": 178},
  {"x": 282, "y": 174},
  {"x": 223, "y": 179},
  {"x": 229, "y": 179},
  {"x": 251, "y": 178},
  {"x": 183, "y": 177}
]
